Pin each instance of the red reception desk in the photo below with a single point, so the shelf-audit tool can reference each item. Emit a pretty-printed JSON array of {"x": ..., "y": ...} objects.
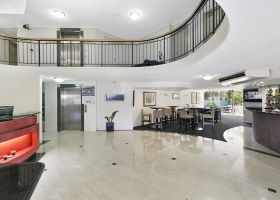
[{"x": 20, "y": 134}]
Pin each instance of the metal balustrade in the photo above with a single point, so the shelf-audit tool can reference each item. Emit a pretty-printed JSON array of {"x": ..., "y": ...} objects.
[{"x": 163, "y": 49}]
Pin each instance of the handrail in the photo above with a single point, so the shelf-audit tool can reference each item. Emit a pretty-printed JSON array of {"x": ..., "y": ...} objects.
[{"x": 80, "y": 52}]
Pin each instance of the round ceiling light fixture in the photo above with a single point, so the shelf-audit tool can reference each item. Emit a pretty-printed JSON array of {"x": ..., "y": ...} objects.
[
  {"x": 135, "y": 15},
  {"x": 208, "y": 77},
  {"x": 59, "y": 13},
  {"x": 59, "y": 79}
]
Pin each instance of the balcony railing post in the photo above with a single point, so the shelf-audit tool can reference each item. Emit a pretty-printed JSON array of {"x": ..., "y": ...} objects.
[
  {"x": 39, "y": 53},
  {"x": 164, "y": 49},
  {"x": 192, "y": 36},
  {"x": 213, "y": 4},
  {"x": 132, "y": 53},
  {"x": 101, "y": 53}
]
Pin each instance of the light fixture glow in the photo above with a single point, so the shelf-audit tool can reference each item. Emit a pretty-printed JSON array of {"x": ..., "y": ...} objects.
[
  {"x": 59, "y": 13},
  {"x": 225, "y": 84},
  {"x": 58, "y": 79},
  {"x": 208, "y": 77},
  {"x": 135, "y": 15}
]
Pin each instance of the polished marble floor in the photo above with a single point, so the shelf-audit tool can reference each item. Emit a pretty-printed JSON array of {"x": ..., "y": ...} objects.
[{"x": 155, "y": 166}]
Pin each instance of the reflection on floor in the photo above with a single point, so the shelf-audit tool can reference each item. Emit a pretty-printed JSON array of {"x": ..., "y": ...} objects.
[
  {"x": 146, "y": 165},
  {"x": 246, "y": 140}
]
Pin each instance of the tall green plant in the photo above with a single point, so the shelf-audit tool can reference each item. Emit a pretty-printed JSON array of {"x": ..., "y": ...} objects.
[{"x": 111, "y": 118}]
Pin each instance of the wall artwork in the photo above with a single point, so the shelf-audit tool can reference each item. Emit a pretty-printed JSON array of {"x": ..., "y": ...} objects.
[
  {"x": 114, "y": 97},
  {"x": 88, "y": 95},
  {"x": 193, "y": 97},
  {"x": 175, "y": 95},
  {"x": 149, "y": 99},
  {"x": 197, "y": 97}
]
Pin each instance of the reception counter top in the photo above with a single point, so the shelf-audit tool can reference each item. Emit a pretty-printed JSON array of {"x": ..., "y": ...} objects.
[
  {"x": 25, "y": 114},
  {"x": 266, "y": 129}
]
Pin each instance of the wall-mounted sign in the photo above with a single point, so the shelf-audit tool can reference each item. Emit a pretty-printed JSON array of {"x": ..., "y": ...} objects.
[
  {"x": 88, "y": 95},
  {"x": 114, "y": 97}
]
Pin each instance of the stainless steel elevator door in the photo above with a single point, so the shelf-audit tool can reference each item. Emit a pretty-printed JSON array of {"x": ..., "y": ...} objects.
[{"x": 71, "y": 108}]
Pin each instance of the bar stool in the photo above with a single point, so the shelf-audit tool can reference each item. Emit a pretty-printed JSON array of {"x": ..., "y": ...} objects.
[
  {"x": 146, "y": 116},
  {"x": 158, "y": 116},
  {"x": 211, "y": 116},
  {"x": 185, "y": 116},
  {"x": 167, "y": 114}
]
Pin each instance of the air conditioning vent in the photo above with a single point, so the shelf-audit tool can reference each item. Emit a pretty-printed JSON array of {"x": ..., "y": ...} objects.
[
  {"x": 234, "y": 76},
  {"x": 243, "y": 77}
]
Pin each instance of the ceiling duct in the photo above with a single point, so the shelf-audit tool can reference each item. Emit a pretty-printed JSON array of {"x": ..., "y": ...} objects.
[{"x": 244, "y": 76}]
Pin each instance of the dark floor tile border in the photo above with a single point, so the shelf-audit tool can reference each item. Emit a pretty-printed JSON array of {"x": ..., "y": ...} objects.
[
  {"x": 44, "y": 142},
  {"x": 35, "y": 158},
  {"x": 262, "y": 152}
]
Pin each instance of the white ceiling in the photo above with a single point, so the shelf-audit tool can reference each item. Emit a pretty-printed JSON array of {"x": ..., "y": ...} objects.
[
  {"x": 249, "y": 38},
  {"x": 12, "y": 6},
  {"x": 111, "y": 16}
]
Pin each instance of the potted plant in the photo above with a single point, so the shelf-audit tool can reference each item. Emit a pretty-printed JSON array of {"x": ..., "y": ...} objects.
[{"x": 110, "y": 123}]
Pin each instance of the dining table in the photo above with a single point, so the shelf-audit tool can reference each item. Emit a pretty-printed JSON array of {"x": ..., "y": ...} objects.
[{"x": 156, "y": 108}]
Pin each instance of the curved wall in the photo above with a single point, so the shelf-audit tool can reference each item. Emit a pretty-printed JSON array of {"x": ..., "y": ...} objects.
[{"x": 266, "y": 128}]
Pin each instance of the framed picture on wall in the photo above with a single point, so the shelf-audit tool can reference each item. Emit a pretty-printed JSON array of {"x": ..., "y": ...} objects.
[
  {"x": 114, "y": 97},
  {"x": 197, "y": 97},
  {"x": 193, "y": 97},
  {"x": 149, "y": 99},
  {"x": 175, "y": 95}
]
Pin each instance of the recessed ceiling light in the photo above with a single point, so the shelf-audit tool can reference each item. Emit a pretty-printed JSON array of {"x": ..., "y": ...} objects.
[
  {"x": 225, "y": 84},
  {"x": 58, "y": 79},
  {"x": 59, "y": 13},
  {"x": 135, "y": 15},
  {"x": 208, "y": 77}
]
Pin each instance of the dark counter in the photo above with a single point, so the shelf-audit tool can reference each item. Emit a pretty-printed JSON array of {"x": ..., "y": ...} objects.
[
  {"x": 25, "y": 114},
  {"x": 266, "y": 129},
  {"x": 10, "y": 117},
  {"x": 18, "y": 181}
]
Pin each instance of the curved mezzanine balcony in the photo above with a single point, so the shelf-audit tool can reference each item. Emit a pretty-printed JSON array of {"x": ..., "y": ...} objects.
[{"x": 92, "y": 53}]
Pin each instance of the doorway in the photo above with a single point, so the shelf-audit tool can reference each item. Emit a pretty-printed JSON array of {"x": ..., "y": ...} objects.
[
  {"x": 70, "y": 109},
  {"x": 70, "y": 52},
  {"x": 13, "y": 52}
]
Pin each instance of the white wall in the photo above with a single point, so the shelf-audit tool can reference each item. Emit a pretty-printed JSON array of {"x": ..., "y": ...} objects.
[
  {"x": 123, "y": 119},
  {"x": 90, "y": 121},
  {"x": 50, "y": 107},
  {"x": 20, "y": 88},
  {"x": 163, "y": 99}
]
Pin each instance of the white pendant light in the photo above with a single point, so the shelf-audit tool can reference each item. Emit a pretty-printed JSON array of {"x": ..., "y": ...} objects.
[
  {"x": 59, "y": 13},
  {"x": 58, "y": 79},
  {"x": 208, "y": 77},
  {"x": 135, "y": 15}
]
